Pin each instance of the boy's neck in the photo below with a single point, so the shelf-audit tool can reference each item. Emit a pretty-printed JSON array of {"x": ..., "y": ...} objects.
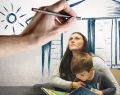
[{"x": 92, "y": 73}]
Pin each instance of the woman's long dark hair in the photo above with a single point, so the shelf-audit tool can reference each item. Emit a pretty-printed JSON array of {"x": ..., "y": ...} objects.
[{"x": 64, "y": 68}]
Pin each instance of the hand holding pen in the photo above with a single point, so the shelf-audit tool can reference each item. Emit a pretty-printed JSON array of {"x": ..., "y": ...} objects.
[
  {"x": 45, "y": 27},
  {"x": 54, "y": 13},
  {"x": 61, "y": 12},
  {"x": 39, "y": 31}
]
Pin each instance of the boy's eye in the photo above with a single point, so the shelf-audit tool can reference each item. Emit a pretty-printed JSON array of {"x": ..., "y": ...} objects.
[{"x": 81, "y": 75}]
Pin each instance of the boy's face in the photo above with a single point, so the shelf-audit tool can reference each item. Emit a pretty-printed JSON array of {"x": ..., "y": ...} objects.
[{"x": 85, "y": 75}]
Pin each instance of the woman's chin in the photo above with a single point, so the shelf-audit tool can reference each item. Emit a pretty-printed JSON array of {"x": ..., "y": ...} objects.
[{"x": 74, "y": 49}]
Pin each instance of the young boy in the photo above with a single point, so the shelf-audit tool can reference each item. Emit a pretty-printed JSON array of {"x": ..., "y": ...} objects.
[{"x": 82, "y": 68}]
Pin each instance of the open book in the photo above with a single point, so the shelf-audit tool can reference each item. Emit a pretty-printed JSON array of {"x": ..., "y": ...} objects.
[
  {"x": 53, "y": 92},
  {"x": 79, "y": 91}
]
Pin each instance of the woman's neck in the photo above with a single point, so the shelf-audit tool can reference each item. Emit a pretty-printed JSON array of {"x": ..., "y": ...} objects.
[{"x": 75, "y": 53}]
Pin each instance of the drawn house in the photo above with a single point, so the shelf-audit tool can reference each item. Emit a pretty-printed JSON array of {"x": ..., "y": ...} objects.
[
  {"x": 100, "y": 23},
  {"x": 103, "y": 28}
]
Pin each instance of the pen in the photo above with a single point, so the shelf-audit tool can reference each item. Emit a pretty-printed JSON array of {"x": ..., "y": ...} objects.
[{"x": 54, "y": 13}]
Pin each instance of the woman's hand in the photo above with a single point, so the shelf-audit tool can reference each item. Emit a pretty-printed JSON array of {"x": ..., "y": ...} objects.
[
  {"x": 76, "y": 85},
  {"x": 97, "y": 91}
]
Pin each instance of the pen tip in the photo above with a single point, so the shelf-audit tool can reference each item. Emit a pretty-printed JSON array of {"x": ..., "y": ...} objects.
[{"x": 32, "y": 9}]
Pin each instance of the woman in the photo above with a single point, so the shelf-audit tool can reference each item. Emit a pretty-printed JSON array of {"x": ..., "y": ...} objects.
[{"x": 63, "y": 77}]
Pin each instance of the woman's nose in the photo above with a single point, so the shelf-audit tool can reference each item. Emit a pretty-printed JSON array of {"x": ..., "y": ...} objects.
[{"x": 72, "y": 40}]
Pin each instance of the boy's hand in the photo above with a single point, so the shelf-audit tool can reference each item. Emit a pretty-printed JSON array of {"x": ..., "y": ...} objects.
[
  {"x": 96, "y": 91},
  {"x": 77, "y": 84}
]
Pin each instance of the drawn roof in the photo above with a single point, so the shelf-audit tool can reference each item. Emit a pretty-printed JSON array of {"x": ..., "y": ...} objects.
[{"x": 97, "y": 8}]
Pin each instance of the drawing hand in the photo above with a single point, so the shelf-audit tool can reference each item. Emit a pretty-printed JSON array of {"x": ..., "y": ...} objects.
[{"x": 44, "y": 28}]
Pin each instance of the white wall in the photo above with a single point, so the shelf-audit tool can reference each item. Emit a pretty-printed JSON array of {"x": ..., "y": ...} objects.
[{"x": 23, "y": 68}]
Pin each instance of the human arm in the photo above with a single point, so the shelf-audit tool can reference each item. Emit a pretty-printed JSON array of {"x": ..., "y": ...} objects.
[
  {"x": 56, "y": 81},
  {"x": 40, "y": 30},
  {"x": 108, "y": 91},
  {"x": 13, "y": 44},
  {"x": 76, "y": 85},
  {"x": 107, "y": 85},
  {"x": 104, "y": 85},
  {"x": 100, "y": 65}
]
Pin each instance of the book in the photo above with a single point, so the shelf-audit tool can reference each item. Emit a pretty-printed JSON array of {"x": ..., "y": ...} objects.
[
  {"x": 79, "y": 91},
  {"x": 54, "y": 92}
]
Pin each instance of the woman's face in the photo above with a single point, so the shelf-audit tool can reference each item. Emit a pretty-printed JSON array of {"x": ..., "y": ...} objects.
[{"x": 75, "y": 42}]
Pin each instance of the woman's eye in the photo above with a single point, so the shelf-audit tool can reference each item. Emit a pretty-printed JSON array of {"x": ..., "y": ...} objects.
[
  {"x": 77, "y": 38},
  {"x": 70, "y": 39}
]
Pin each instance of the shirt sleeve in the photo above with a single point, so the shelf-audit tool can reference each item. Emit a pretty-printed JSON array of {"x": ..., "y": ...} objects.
[
  {"x": 56, "y": 81},
  {"x": 107, "y": 86},
  {"x": 109, "y": 91},
  {"x": 100, "y": 65}
]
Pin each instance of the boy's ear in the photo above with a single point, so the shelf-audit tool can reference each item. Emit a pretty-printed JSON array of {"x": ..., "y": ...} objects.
[
  {"x": 92, "y": 69},
  {"x": 77, "y": 76}
]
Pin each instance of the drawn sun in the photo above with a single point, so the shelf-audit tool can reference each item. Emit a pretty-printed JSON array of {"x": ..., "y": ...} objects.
[{"x": 12, "y": 17}]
